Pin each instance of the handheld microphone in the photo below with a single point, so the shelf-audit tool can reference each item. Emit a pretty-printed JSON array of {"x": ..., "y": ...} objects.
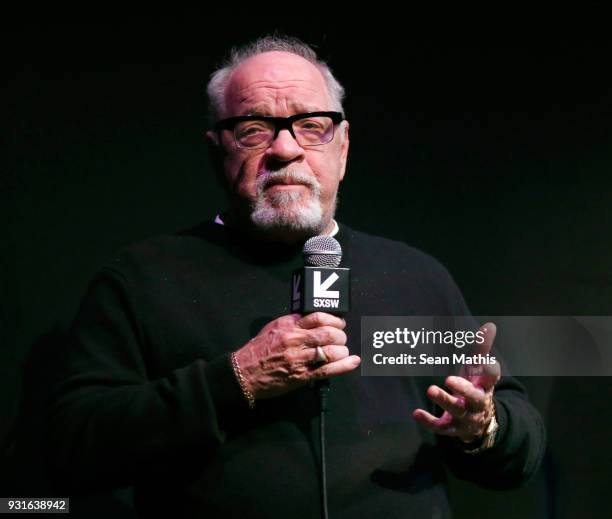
[{"x": 321, "y": 285}]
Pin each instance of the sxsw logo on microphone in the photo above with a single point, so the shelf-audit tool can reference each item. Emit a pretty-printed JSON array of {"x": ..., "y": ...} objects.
[
  {"x": 320, "y": 289},
  {"x": 323, "y": 297}
]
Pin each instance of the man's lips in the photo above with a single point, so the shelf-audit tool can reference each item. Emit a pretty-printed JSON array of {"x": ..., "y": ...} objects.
[
  {"x": 285, "y": 186},
  {"x": 282, "y": 184}
]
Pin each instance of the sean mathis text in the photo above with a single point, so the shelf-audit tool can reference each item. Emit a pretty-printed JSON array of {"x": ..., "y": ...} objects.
[{"x": 425, "y": 359}]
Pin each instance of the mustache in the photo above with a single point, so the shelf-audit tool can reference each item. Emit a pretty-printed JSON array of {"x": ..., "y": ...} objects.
[{"x": 286, "y": 176}]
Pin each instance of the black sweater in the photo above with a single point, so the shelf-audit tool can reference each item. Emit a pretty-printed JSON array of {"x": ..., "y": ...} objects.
[{"x": 148, "y": 397}]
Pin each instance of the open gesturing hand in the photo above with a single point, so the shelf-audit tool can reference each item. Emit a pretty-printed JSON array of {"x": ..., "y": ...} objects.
[{"x": 468, "y": 407}]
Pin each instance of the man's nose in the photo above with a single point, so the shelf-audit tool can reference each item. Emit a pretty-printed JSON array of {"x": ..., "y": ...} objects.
[{"x": 285, "y": 148}]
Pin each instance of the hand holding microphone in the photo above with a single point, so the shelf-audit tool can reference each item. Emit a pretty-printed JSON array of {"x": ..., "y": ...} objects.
[
  {"x": 283, "y": 355},
  {"x": 294, "y": 349}
]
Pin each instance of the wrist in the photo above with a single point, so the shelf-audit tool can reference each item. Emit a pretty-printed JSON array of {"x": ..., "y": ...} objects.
[{"x": 486, "y": 441}]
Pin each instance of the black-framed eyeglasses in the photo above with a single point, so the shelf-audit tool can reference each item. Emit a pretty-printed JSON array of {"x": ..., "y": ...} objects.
[{"x": 258, "y": 131}]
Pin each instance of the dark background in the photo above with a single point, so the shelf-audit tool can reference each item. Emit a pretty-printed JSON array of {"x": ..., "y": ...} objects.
[{"x": 494, "y": 157}]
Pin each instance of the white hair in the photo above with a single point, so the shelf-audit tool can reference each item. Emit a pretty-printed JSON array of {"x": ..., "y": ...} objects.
[{"x": 238, "y": 55}]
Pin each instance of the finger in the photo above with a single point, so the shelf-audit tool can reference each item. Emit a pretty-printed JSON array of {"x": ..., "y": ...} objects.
[
  {"x": 323, "y": 336},
  {"x": 317, "y": 319},
  {"x": 483, "y": 375},
  {"x": 455, "y": 405},
  {"x": 475, "y": 397},
  {"x": 338, "y": 367},
  {"x": 442, "y": 425},
  {"x": 489, "y": 331}
]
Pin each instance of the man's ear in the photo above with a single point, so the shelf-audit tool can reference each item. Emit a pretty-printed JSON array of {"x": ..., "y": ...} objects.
[
  {"x": 344, "y": 146},
  {"x": 212, "y": 137}
]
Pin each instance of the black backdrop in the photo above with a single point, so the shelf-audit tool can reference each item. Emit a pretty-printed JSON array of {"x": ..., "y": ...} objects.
[{"x": 495, "y": 158}]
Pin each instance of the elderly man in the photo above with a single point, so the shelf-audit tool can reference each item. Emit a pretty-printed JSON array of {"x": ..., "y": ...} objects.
[{"x": 189, "y": 379}]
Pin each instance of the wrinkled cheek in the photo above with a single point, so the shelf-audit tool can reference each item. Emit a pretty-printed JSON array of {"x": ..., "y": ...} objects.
[{"x": 329, "y": 190}]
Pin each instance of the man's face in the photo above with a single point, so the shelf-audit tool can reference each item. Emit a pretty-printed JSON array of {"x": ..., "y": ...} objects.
[{"x": 284, "y": 187}]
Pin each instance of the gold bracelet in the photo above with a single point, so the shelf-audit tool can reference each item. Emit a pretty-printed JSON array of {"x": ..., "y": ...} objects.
[
  {"x": 238, "y": 372},
  {"x": 487, "y": 440}
]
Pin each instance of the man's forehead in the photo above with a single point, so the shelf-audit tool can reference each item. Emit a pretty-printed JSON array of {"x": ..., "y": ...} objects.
[
  {"x": 257, "y": 85},
  {"x": 276, "y": 66},
  {"x": 293, "y": 106}
]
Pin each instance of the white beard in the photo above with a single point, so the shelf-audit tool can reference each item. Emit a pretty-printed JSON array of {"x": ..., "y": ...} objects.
[{"x": 288, "y": 210}]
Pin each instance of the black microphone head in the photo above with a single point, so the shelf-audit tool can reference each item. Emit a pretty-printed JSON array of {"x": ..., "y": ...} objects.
[{"x": 322, "y": 251}]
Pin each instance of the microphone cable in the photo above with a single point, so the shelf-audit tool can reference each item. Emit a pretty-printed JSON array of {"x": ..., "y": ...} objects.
[{"x": 323, "y": 390}]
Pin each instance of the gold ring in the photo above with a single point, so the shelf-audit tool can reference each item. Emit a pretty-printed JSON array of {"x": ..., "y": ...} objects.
[{"x": 320, "y": 356}]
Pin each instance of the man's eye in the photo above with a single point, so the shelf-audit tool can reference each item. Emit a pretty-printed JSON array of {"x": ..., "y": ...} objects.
[
  {"x": 311, "y": 125},
  {"x": 249, "y": 131}
]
